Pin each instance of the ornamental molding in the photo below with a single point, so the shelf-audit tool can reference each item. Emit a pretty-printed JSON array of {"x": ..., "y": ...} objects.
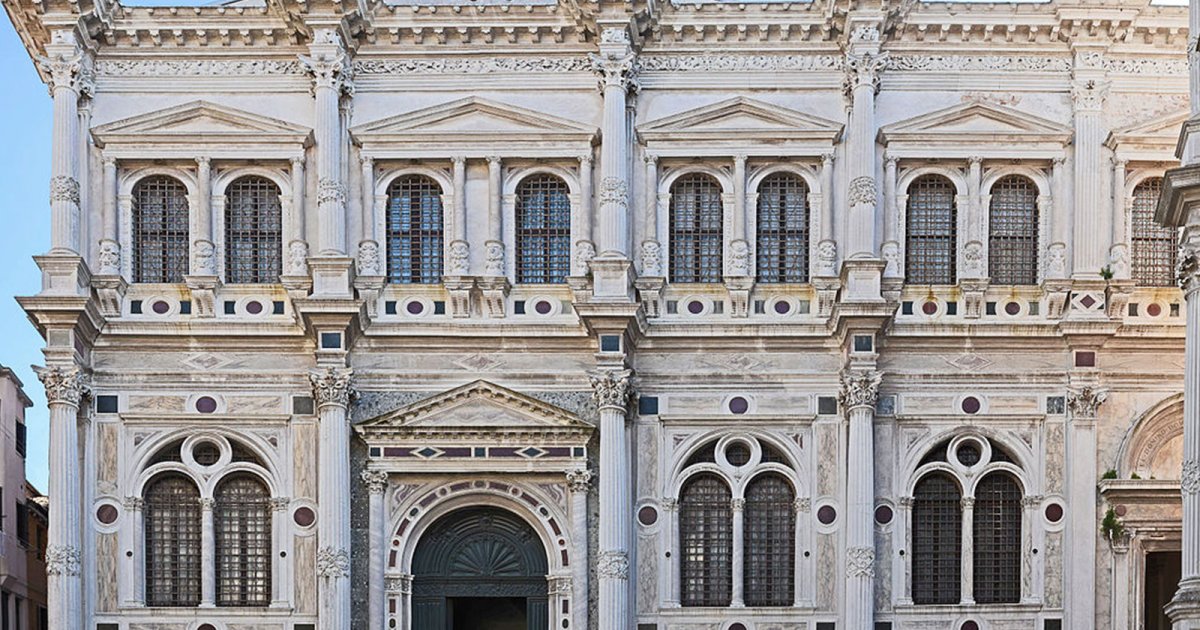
[
  {"x": 333, "y": 386},
  {"x": 862, "y": 190},
  {"x": 67, "y": 385},
  {"x": 1151, "y": 67},
  {"x": 977, "y": 63},
  {"x": 860, "y": 562},
  {"x": 333, "y": 563},
  {"x": 62, "y": 560},
  {"x": 375, "y": 480},
  {"x": 1085, "y": 401},
  {"x": 1189, "y": 480},
  {"x": 400, "y": 585},
  {"x": 559, "y": 585},
  {"x": 579, "y": 480},
  {"x": 741, "y": 63},
  {"x": 860, "y": 388},
  {"x": 613, "y": 565},
  {"x": 611, "y": 389},
  {"x": 749, "y": 120},
  {"x": 64, "y": 188},
  {"x": 197, "y": 68},
  {"x": 486, "y": 65}
]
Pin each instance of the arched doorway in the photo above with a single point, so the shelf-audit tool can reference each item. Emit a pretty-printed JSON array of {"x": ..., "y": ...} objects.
[{"x": 480, "y": 568}]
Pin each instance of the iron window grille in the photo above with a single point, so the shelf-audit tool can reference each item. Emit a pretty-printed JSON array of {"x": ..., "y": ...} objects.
[
  {"x": 706, "y": 542},
  {"x": 770, "y": 542},
  {"x": 414, "y": 230},
  {"x": 997, "y": 533},
  {"x": 172, "y": 529},
  {"x": 253, "y": 231},
  {"x": 783, "y": 220},
  {"x": 160, "y": 230},
  {"x": 1153, "y": 245},
  {"x": 696, "y": 218},
  {"x": 1013, "y": 231},
  {"x": 543, "y": 220},
  {"x": 242, "y": 523},
  {"x": 931, "y": 232},
  {"x": 937, "y": 541}
]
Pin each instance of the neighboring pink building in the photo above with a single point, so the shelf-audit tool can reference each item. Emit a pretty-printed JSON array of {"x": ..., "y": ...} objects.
[{"x": 23, "y": 518}]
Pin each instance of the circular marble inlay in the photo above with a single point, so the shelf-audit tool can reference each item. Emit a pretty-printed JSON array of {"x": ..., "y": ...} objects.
[
  {"x": 695, "y": 307},
  {"x": 206, "y": 404},
  {"x": 304, "y": 516},
  {"x": 106, "y": 514},
  {"x": 826, "y": 514},
  {"x": 1054, "y": 512},
  {"x": 414, "y": 307},
  {"x": 206, "y": 626},
  {"x": 160, "y": 307},
  {"x": 1153, "y": 310},
  {"x": 929, "y": 308},
  {"x": 543, "y": 307},
  {"x": 971, "y": 404},
  {"x": 739, "y": 405},
  {"x": 737, "y": 453},
  {"x": 648, "y": 516},
  {"x": 1120, "y": 509},
  {"x": 783, "y": 307},
  {"x": 737, "y": 626},
  {"x": 883, "y": 515},
  {"x": 1012, "y": 308},
  {"x": 970, "y": 625},
  {"x": 254, "y": 307}
]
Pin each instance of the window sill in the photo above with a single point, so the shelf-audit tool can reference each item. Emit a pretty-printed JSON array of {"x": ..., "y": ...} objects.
[
  {"x": 220, "y": 611},
  {"x": 960, "y": 609}
]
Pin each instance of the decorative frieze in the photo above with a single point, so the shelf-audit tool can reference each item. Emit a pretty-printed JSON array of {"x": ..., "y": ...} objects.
[
  {"x": 486, "y": 65},
  {"x": 741, "y": 63},
  {"x": 67, "y": 385},
  {"x": 977, "y": 63},
  {"x": 196, "y": 68}
]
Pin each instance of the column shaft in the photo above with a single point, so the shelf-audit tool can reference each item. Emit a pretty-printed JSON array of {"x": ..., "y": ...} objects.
[
  {"x": 611, "y": 391},
  {"x": 578, "y": 482},
  {"x": 860, "y": 390},
  {"x": 366, "y": 221},
  {"x": 1119, "y": 253},
  {"x": 208, "y": 556},
  {"x": 65, "y": 389},
  {"x": 109, "y": 258},
  {"x": 1190, "y": 580},
  {"x": 1092, "y": 227},
  {"x": 739, "y": 549},
  {"x": 860, "y": 232},
  {"x": 614, "y": 184},
  {"x": 64, "y": 186},
  {"x": 331, "y": 389},
  {"x": 377, "y": 521},
  {"x": 202, "y": 264}
]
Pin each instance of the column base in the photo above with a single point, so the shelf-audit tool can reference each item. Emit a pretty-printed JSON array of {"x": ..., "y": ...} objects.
[
  {"x": 612, "y": 278},
  {"x": 332, "y": 277},
  {"x": 862, "y": 280},
  {"x": 1184, "y": 609},
  {"x": 63, "y": 273},
  {"x": 110, "y": 290}
]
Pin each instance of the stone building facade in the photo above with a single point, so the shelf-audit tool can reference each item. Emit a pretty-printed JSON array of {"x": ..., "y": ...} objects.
[{"x": 682, "y": 316}]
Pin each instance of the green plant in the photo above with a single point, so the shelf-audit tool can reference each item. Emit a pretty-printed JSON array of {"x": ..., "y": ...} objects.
[
  {"x": 1134, "y": 476},
  {"x": 1106, "y": 272},
  {"x": 1109, "y": 474},
  {"x": 1111, "y": 525}
]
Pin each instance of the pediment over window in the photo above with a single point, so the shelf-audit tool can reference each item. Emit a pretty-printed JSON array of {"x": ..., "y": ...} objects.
[
  {"x": 473, "y": 127},
  {"x": 747, "y": 125},
  {"x": 201, "y": 127},
  {"x": 1153, "y": 139},
  {"x": 980, "y": 129}
]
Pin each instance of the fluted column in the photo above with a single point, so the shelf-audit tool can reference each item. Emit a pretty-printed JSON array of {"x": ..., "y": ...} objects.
[
  {"x": 208, "y": 554},
  {"x": 581, "y": 230},
  {"x": 1082, "y": 405},
  {"x": 332, "y": 393},
  {"x": 611, "y": 391},
  {"x": 578, "y": 483},
  {"x": 376, "y": 482},
  {"x": 66, "y": 67},
  {"x": 330, "y": 69},
  {"x": 1092, "y": 218},
  {"x": 110, "y": 249},
  {"x": 860, "y": 390},
  {"x": 66, "y": 388},
  {"x": 1184, "y": 609},
  {"x": 616, "y": 65},
  {"x": 863, "y": 65}
]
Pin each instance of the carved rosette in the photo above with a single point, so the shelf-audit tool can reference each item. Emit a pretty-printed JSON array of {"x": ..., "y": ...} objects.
[
  {"x": 859, "y": 388},
  {"x": 1085, "y": 401},
  {"x": 62, "y": 560},
  {"x": 1187, "y": 269},
  {"x": 64, "y": 188},
  {"x": 375, "y": 480},
  {"x": 332, "y": 386},
  {"x": 613, "y": 565},
  {"x": 1190, "y": 478},
  {"x": 860, "y": 562},
  {"x": 862, "y": 191},
  {"x": 65, "y": 385},
  {"x": 333, "y": 563},
  {"x": 611, "y": 389},
  {"x": 579, "y": 480}
]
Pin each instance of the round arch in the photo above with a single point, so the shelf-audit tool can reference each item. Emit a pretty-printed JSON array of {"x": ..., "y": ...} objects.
[
  {"x": 911, "y": 175},
  {"x": 1153, "y": 445},
  {"x": 810, "y": 178}
]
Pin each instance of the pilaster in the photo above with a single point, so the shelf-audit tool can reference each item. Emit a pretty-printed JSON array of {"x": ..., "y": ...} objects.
[
  {"x": 1092, "y": 227},
  {"x": 1083, "y": 402},
  {"x": 333, "y": 392},
  {"x": 376, "y": 482},
  {"x": 858, "y": 395},
  {"x": 611, "y": 392}
]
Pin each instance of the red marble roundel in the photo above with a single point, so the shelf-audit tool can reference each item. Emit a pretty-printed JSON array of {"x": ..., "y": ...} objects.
[{"x": 304, "y": 516}]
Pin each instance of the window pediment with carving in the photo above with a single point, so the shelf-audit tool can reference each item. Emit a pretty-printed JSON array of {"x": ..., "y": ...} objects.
[
  {"x": 201, "y": 127},
  {"x": 740, "y": 125},
  {"x": 971, "y": 129}
]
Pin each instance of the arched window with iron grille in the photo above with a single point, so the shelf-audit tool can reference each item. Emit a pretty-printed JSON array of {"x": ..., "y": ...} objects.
[
  {"x": 997, "y": 540},
  {"x": 253, "y": 231},
  {"x": 543, "y": 220},
  {"x": 242, "y": 526},
  {"x": 414, "y": 230},
  {"x": 706, "y": 541},
  {"x": 770, "y": 542},
  {"x": 1153, "y": 245},
  {"x": 1013, "y": 231},
  {"x": 783, "y": 215},
  {"x": 931, "y": 231},
  {"x": 936, "y": 540},
  {"x": 160, "y": 230},
  {"x": 172, "y": 536},
  {"x": 696, "y": 221}
]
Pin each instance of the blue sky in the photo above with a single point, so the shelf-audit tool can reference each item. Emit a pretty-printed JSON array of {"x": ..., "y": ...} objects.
[{"x": 25, "y": 216}]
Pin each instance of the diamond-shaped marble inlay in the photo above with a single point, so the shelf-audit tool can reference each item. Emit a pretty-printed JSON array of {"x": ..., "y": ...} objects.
[
  {"x": 1087, "y": 301},
  {"x": 206, "y": 361},
  {"x": 531, "y": 452},
  {"x": 970, "y": 362},
  {"x": 479, "y": 362},
  {"x": 742, "y": 362},
  {"x": 428, "y": 452}
]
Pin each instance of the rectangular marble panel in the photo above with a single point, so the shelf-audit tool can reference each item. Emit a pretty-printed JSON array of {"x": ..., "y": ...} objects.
[
  {"x": 305, "y": 570},
  {"x": 144, "y": 404},
  {"x": 647, "y": 459},
  {"x": 254, "y": 404},
  {"x": 106, "y": 466},
  {"x": 1054, "y": 570},
  {"x": 1056, "y": 445},
  {"x": 305, "y": 459},
  {"x": 803, "y": 625},
  {"x": 827, "y": 458},
  {"x": 647, "y": 575},
  {"x": 255, "y": 626},
  {"x": 106, "y": 571},
  {"x": 826, "y": 572}
]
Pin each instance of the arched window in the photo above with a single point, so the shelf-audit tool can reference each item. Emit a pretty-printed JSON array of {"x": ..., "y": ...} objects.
[
  {"x": 931, "y": 232},
  {"x": 997, "y": 544},
  {"x": 160, "y": 230},
  {"x": 1013, "y": 231},
  {"x": 770, "y": 542},
  {"x": 1153, "y": 245},
  {"x": 782, "y": 247},
  {"x": 414, "y": 230},
  {"x": 172, "y": 526},
  {"x": 253, "y": 231},
  {"x": 936, "y": 540},
  {"x": 697, "y": 213},
  {"x": 242, "y": 525},
  {"x": 706, "y": 541},
  {"x": 543, "y": 209}
]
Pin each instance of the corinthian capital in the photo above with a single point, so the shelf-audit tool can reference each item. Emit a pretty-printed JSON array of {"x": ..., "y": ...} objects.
[
  {"x": 1187, "y": 268},
  {"x": 616, "y": 69},
  {"x": 611, "y": 388},
  {"x": 579, "y": 480},
  {"x": 64, "y": 384},
  {"x": 863, "y": 70},
  {"x": 860, "y": 388},
  {"x": 63, "y": 69},
  {"x": 1089, "y": 94},
  {"x": 330, "y": 69},
  {"x": 1085, "y": 401},
  {"x": 375, "y": 480},
  {"x": 332, "y": 386}
]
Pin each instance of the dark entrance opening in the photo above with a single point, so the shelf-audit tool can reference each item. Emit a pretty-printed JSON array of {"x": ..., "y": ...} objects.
[
  {"x": 489, "y": 613},
  {"x": 1163, "y": 570},
  {"x": 480, "y": 568}
]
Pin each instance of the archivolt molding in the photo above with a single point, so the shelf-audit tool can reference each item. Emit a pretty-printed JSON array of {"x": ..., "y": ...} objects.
[
  {"x": 1147, "y": 434},
  {"x": 737, "y": 478},
  {"x": 911, "y": 470}
]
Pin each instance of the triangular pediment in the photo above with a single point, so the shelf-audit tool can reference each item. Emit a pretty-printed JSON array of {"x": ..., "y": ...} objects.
[
  {"x": 199, "y": 121},
  {"x": 470, "y": 118},
  {"x": 975, "y": 123},
  {"x": 1158, "y": 132},
  {"x": 743, "y": 118},
  {"x": 476, "y": 407}
]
